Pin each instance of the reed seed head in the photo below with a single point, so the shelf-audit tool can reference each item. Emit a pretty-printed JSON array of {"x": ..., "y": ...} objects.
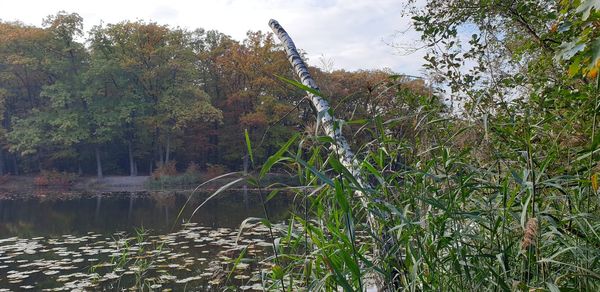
[{"x": 531, "y": 229}]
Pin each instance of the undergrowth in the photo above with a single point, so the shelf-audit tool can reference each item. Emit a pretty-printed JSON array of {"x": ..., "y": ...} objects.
[{"x": 506, "y": 203}]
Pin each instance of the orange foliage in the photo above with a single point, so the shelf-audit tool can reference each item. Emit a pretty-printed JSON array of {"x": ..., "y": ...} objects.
[
  {"x": 54, "y": 178},
  {"x": 167, "y": 169},
  {"x": 253, "y": 120},
  {"x": 4, "y": 178}
]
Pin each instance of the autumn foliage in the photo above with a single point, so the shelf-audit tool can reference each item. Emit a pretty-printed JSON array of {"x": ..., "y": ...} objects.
[
  {"x": 139, "y": 96},
  {"x": 54, "y": 178}
]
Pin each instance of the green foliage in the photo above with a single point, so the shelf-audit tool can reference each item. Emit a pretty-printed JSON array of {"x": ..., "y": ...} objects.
[
  {"x": 459, "y": 200},
  {"x": 139, "y": 94},
  {"x": 499, "y": 194},
  {"x": 27, "y": 134},
  {"x": 578, "y": 24},
  {"x": 136, "y": 255}
]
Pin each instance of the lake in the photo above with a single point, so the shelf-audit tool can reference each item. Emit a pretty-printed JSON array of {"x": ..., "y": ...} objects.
[{"x": 120, "y": 241}]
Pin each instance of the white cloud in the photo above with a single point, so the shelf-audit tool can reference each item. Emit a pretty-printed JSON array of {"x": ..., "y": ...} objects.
[{"x": 353, "y": 33}]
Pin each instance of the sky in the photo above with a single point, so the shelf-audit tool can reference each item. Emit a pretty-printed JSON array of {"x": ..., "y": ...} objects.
[{"x": 335, "y": 34}]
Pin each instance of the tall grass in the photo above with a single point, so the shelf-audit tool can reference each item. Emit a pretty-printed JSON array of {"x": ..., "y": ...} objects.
[{"x": 506, "y": 204}]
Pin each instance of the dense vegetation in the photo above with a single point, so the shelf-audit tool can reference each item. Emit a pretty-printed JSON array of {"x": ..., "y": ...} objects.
[
  {"x": 126, "y": 98},
  {"x": 497, "y": 191},
  {"x": 499, "y": 194}
]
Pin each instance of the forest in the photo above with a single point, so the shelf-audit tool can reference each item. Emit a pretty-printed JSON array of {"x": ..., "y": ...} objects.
[
  {"x": 481, "y": 175},
  {"x": 126, "y": 98}
]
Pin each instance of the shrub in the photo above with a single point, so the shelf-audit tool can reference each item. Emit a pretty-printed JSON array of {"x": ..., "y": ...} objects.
[
  {"x": 166, "y": 176},
  {"x": 4, "y": 179},
  {"x": 214, "y": 170},
  {"x": 166, "y": 169},
  {"x": 54, "y": 178}
]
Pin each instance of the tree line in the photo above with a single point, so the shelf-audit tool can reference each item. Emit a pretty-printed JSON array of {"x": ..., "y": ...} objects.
[{"x": 128, "y": 97}]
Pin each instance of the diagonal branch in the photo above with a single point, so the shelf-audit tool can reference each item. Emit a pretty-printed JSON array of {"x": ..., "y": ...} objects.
[
  {"x": 332, "y": 130},
  {"x": 340, "y": 145}
]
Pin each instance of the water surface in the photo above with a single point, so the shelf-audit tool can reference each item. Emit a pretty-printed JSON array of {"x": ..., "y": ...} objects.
[{"x": 86, "y": 241}]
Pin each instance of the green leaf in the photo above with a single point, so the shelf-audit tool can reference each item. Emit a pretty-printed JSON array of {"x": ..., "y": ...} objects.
[
  {"x": 552, "y": 287},
  {"x": 321, "y": 176},
  {"x": 271, "y": 195},
  {"x": 218, "y": 191},
  {"x": 237, "y": 262},
  {"x": 275, "y": 157},
  {"x": 595, "y": 61},
  {"x": 374, "y": 172},
  {"x": 300, "y": 85},
  {"x": 569, "y": 49},
  {"x": 277, "y": 272},
  {"x": 340, "y": 196},
  {"x": 524, "y": 211},
  {"x": 574, "y": 68},
  {"x": 248, "y": 145},
  {"x": 586, "y": 7}
]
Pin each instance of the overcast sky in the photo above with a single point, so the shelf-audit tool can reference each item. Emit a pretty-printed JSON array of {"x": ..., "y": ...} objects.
[{"x": 352, "y": 34}]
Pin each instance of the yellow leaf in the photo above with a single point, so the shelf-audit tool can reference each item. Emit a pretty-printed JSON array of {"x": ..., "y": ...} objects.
[
  {"x": 574, "y": 68},
  {"x": 593, "y": 73},
  {"x": 594, "y": 180}
]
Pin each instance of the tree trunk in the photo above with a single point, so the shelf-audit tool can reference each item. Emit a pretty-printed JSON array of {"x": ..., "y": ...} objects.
[
  {"x": 98, "y": 162},
  {"x": 2, "y": 168},
  {"x": 321, "y": 106},
  {"x": 156, "y": 144},
  {"x": 15, "y": 164},
  {"x": 131, "y": 162},
  {"x": 168, "y": 149},
  {"x": 39, "y": 161},
  {"x": 160, "y": 156},
  {"x": 217, "y": 157},
  {"x": 339, "y": 146}
]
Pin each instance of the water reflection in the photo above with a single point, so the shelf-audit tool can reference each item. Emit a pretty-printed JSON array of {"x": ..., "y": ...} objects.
[
  {"x": 98, "y": 202},
  {"x": 67, "y": 242},
  {"x": 54, "y": 216}
]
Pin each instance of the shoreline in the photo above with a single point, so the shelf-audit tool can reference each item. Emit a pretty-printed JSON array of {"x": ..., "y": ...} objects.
[{"x": 23, "y": 186}]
